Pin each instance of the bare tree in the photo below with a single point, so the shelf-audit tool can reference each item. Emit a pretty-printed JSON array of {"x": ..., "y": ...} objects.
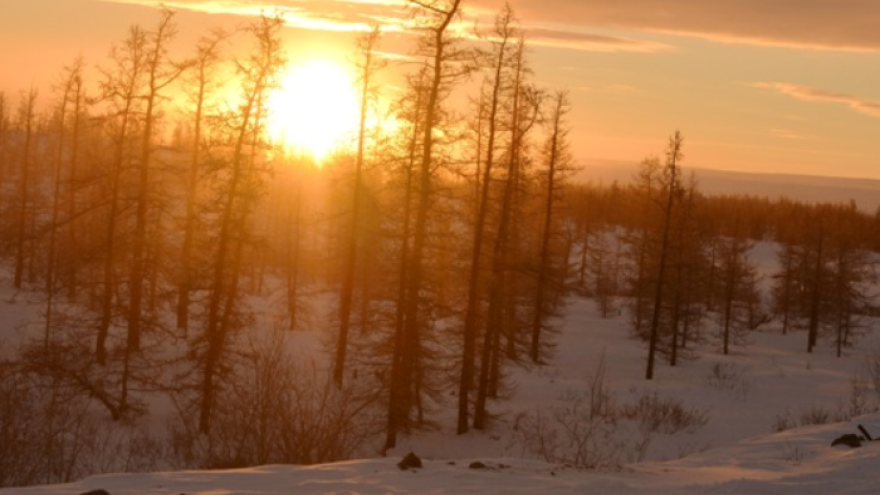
[
  {"x": 71, "y": 92},
  {"x": 503, "y": 36},
  {"x": 442, "y": 70},
  {"x": 817, "y": 279},
  {"x": 75, "y": 95},
  {"x": 550, "y": 276},
  {"x": 367, "y": 66},
  {"x": 5, "y": 122},
  {"x": 223, "y": 311},
  {"x": 159, "y": 73},
  {"x": 737, "y": 283},
  {"x": 399, "y": 393},
  {"x": 27, "y": 123},
  {"x": 824, "y": 274},
  {"x": 672, "y": 185},
  {"x": 501, "y": 320},
  {"x": 687, "y": 267},
  {"x": 203, "y": 79},
  {"x": 120, "y": 92},
  {"x": 854, "y": 271}
]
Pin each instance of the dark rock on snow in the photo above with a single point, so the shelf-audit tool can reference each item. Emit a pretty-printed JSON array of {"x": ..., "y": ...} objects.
[
  {"x": 410, "y": 461},
  {"x": 850, "y": 440}
]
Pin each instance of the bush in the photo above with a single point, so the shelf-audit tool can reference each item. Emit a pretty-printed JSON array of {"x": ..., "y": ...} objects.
[
  {"x": 730, "y": 378},
  {"x": 49, "y": 433},
  {"x": 591, "y": 430},
  {"x": 814, "y": 415},
  {"x": 275, "y": 412}
]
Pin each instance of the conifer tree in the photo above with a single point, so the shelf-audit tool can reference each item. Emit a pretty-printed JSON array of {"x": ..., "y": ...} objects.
[
  {"x": 201, "y": 83},
  {"x": 672, "y": 193},
  {"x": 442, "y": 71},
  {"x": 27, "y": 124},
  {"x": 367, "y": 66},
  {"x": 238, "y": 189},
  {"x": 498, "y": 63}
]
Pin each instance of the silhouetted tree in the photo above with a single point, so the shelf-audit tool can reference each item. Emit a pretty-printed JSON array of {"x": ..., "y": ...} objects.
[
  {"x": 367, "y": 66},
  {"x": 120, "y": 92},
  {"x": 737, "y": 287},
  {"x": 27, "y": 124},
  {"x": 239, "y": 185},
  {"x": 551, "y": 272},
  {"x": 443, "y": 68},
  {"x": 71, "y": 92},
  {"x": 498, "y": 63},
  {"x": 671, "y": 192},
  {"x": 4, "y": 143},
  {"x": 159, "y": 72},
  {"x": 503, "y": 318},
  {"x": 202, "y": 82}
]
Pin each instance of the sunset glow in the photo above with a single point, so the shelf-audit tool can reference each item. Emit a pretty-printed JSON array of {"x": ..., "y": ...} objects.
[
  {"x": 240, "y": 236},
  {"x": 767, "y": 87},
  {"x": 315, "y": 109}
]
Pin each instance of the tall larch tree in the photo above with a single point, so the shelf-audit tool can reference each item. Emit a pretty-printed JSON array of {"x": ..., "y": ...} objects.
[
  {"x": 443, "y": 69},
  {"x": 26, "y": 122},
  {"x": 502, "y": 309},
  {"x": 499, "y": 58},
  {"x": 241, "y": 181},
  {"x": 159, "y": 73},
  {"x": 202, "y": 81},
  {"x": 550, "y": 276},
  {"x": 672, "y": 192},
  {"x": 120, "y": 88},
  {"x": 368, "y": 64},
  {"x": 70, "y": 89}
]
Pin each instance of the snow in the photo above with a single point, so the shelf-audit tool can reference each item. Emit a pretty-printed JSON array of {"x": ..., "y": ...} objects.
[
  {"x": 792, "y": 462},
  {"x": 768, "y": 381}
]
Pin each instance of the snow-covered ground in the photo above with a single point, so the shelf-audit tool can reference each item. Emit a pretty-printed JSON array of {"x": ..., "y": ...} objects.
[
  {"x": 766, "y": 384},
  {"x": 792, "y": 462}
]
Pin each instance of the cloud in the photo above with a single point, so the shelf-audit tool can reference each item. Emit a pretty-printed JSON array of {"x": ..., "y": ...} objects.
[
  {"x": 861, "y": 105},
  {"x": 787, "y": 134},
  {"x": 614, "y": 89},
  {"x": 325, "y": 15},
  {"x": 849, "y": 25},
  {"x": 396, "y": 15},
  {"x": 564, "y": 38},
  {"x": 844, "y": 25}
]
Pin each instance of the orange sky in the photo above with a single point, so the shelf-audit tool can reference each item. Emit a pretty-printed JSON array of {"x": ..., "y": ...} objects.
[{"x": 755, "y": 85}]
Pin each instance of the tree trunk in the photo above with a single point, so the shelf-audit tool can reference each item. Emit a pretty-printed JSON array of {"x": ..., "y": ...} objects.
[
  {"x": 347, "y": 292},
  {"x": 674, "y": 154},
  {"x": 27, "y": 116}
]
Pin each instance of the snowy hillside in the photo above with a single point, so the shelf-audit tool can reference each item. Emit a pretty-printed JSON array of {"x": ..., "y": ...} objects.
[
  {"x": 770, "y": 413},
  {"x": 793, "y": 462}
]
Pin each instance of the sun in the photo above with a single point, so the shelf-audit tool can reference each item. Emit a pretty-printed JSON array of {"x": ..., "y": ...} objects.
[{"x": 315, "y": 109}]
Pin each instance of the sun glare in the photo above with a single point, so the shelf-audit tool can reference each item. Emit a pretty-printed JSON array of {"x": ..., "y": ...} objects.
[{"x": 315, "y": 109}]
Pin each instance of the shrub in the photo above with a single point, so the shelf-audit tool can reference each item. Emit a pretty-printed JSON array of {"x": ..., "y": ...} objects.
[
  {"x": 590, "y": 430},
  {"x": 730, "y": 378},
  {"x": 275, "y": 412},
  {"x": 50, "y": 433}
]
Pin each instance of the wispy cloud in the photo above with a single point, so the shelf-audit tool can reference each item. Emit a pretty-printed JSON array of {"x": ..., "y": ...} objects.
[
  {"x": 612, "y": 89},
  {"x": 861, "y": 105},
  {"x": 396, "y": 15},
  {"x": 849, "y": 25},
  {"x": 787, "y": 134},
  {"x": 579, "y": 40},
  {"x": 324, "y": 15},
  {"x": 846, "y": 25}
]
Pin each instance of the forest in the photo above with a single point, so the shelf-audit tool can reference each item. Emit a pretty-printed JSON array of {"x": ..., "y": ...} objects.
[{"x": 175, "y": 255}]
